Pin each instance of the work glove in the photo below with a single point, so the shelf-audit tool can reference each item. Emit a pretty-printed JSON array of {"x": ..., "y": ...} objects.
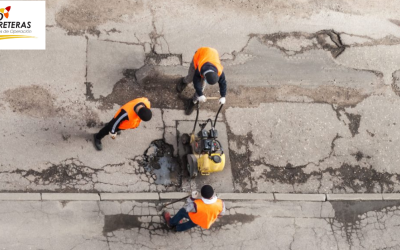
[
  {"x": 195, "y": 194},
  {"x": 202, "y": 98},
  {"x": 222, "y": 100},
  {"x": 113, "y": 136}
]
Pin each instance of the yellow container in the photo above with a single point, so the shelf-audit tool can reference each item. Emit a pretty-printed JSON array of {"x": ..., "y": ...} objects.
[{"x": 207, "y": 165}]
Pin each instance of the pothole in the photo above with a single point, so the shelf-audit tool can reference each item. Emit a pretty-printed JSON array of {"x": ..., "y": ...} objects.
[
  {"x": 34, "y": 101},
  {"x": 158, "y": 160}
]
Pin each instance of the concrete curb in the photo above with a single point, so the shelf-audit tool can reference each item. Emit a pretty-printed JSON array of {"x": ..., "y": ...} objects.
[
  {"x": 387, "y": 197},
  {"x": 246, "y": 196},
  {"x": 70, "y": 196},
  {"x": 173, "y": 195},
  {"x": 354, "y": 197},
  {"x": 128, "y": 196},
  {"x": 300, "y": 197},
  {"x": 20, "y": 196},
  {"x": 180, "y": 195}
]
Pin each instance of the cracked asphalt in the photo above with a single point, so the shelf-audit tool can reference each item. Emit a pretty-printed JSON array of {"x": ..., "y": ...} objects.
[
  {"x": 312, "y": 107},
  {"x": 246, "y": 225}
]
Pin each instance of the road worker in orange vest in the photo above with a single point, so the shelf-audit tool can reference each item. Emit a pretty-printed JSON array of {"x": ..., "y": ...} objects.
[
  {"x": 201, "y": 212},
  {"x": 204, "y": 69},
  {"x": 128, "y": 116}
]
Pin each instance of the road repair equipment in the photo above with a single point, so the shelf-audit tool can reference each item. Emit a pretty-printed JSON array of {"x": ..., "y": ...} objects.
[
  {"x": 161, "y": 206},
  {"x": 206, "y": 154}
]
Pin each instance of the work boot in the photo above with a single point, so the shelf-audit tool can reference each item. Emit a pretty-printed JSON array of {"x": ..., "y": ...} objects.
[
  {"x": 180, "y": 86},
  {"x": 97, "y": 143},
  {"x": 167, "y": 218},
  {"x": 189, "y": 107}
]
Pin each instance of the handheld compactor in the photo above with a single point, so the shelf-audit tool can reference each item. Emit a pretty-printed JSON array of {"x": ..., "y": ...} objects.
[{"x": 206, "y": 152}]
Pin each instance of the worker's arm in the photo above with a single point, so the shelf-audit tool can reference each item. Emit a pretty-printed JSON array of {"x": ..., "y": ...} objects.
[
  {"x": 115, "y": 122},
  {"x": 222, "y": 84},
  {"x": 190, "y": 205},
  {"x": 197, "y": 83},
  {"x": 223, "y": 210}
]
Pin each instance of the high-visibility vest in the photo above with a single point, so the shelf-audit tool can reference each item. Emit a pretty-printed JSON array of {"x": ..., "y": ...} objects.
[
  {"x": 133, "y": 119},
  {"x": 206, "y": 213},
  {"x": 204, "y": 55}
]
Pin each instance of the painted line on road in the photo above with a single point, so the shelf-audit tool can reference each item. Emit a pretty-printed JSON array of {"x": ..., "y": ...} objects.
[{"x": 180, "y": 195}]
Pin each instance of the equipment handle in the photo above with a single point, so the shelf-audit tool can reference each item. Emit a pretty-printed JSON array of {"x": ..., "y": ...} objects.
[{"x": 184, "y": 198}]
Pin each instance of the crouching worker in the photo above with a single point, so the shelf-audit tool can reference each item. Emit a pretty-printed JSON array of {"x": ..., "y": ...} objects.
[
  {"x": 128, "y": 116},
  {"x": 200, "y": 212}
]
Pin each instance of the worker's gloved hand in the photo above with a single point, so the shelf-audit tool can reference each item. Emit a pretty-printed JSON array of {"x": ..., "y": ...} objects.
[
  {"x": 222, "y": 100},
  {"x": 195, "y": 194},
  {"x": 202, "y": 98},
  {"x": 113, "y": 136}
]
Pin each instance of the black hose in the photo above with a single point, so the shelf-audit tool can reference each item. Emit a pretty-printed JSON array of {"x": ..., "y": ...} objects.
[
  {"x": 220, "y": 147},
  {"x": 203, "y": 125},
  {"x": 216, "y": 117},
  {"x": 162, "y": 206},
  {"x": 197, "y": 116}
]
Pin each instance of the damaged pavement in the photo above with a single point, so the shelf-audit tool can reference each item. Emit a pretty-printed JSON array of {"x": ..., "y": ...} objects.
[
  {"x": 312, "y": 107},
  {"x": 246, "y": 225}
]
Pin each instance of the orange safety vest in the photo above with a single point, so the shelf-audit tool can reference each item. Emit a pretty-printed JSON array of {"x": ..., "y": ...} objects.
[
  {"x": 206, "y": 213},
  {"x": 204, "y": 55},
  {"x": 133, "y": 119}
]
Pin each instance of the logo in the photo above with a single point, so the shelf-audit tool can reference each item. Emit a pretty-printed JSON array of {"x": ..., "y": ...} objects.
[
  {"x": 28, "y": 20},
  {"x": 6, "y": 15},
  {"x": 2, "y": 14}
]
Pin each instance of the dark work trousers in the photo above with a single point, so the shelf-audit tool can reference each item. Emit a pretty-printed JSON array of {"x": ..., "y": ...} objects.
[
  {"x": 179, "y": 216},
  {"x": 106, "y": 130},
  {"x": 189, "y": 78}
]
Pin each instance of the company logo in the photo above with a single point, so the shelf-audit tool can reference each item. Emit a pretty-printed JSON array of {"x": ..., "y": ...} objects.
[
  {"x": 27, "y": 20},
  {"x": 4, "y": 14}
]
